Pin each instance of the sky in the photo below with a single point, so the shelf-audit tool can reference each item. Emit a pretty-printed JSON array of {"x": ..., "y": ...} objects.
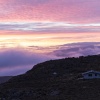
[{"x": 33, "y": 31}]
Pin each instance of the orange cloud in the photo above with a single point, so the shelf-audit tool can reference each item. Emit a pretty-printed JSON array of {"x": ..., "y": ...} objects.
[{"x": 27, "y": 39}]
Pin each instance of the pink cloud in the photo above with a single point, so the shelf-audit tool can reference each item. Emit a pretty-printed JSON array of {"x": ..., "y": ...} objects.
[{"x": 51, "y": 10}]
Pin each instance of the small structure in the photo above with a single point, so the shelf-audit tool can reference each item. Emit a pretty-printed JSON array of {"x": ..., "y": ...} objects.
[{"x": 91, "y": 74}]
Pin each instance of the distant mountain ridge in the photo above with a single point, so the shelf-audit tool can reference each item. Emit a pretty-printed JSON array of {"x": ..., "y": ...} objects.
[{"x": 55, "y": 80}]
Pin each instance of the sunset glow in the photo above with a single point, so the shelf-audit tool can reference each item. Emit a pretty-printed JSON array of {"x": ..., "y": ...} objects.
[{"x": 41, "y": 28}]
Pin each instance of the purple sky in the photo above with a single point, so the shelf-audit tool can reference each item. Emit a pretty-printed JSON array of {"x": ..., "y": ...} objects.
[{"x": 32, "y": 31}]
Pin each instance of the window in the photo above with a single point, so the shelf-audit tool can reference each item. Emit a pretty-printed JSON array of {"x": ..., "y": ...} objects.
[
  {"x": 95, "y": 74},
  {"x": 90, "y": 75}
]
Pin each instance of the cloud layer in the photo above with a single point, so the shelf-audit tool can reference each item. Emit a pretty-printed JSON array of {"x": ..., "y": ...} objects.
[
  {"x": 77, "y": 49},
  {"x": 49, "y": 27},
  {"x": 17, "y": 61},
  {"x": 84, "y": 11},
  {"x": 14, "y": 61},
  {"x": 41, "y": 25}
]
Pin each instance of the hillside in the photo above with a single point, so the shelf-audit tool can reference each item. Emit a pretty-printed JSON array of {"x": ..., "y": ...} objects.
[
  {"x": 55, "y": 80},
  {"x": 4, "y": 79}
]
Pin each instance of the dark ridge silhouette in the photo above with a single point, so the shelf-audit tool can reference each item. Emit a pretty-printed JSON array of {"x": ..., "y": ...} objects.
[{"x": 55, "y": 80}]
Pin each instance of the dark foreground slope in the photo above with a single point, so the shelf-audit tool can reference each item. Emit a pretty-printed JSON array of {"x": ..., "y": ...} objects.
[
  {"x": 4, "y": 79},
  {"x": 55, "y": 80}
]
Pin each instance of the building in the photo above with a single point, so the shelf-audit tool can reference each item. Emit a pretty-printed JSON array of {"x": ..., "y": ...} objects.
[{"x": 91, "y": 74}]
